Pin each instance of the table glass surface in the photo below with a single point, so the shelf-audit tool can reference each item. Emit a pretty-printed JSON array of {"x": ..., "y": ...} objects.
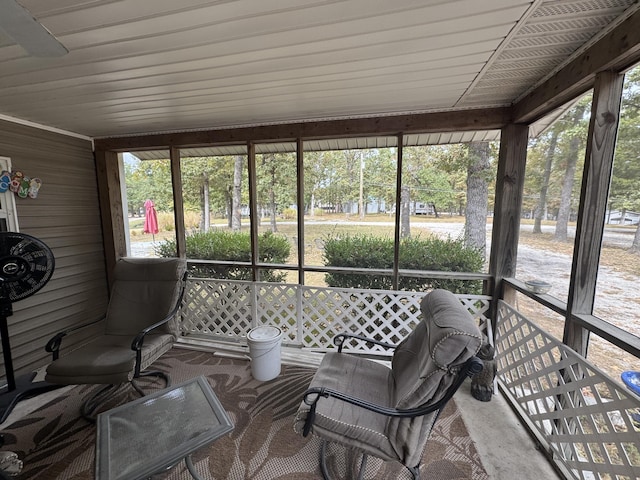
[{"x": 155, "y": 432}]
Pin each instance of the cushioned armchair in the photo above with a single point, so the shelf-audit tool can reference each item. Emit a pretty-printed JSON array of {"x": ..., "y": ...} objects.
[
  {"x": 389, "y": 412},
  {"x": 139, "y": 326}
]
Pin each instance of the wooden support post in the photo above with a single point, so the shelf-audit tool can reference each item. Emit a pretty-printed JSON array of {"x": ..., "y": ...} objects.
[
  {"x": 601, "y": 140},
  {"x": 111, "y": 208},
  {"x": 254, "y": 217},
  {"x": 507, "y": 208},
  {"x": 300, "y": 209},
  {"x": 178, "y": 204},
  {"x": 396, "y": 233}
]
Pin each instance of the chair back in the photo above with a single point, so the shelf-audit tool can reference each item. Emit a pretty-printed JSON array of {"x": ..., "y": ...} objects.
[
  {"x": 144, "y": 292},
  {"x": 425, "y": 365}
]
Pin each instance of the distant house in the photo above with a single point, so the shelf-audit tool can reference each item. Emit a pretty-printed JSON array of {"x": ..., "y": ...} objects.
[{"x": 615, "y": 217}]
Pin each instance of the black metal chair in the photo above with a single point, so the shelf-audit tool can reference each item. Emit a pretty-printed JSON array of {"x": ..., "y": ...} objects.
[
  {"x": 137, "y": 329},
  {"x": 389, "y": 412}
]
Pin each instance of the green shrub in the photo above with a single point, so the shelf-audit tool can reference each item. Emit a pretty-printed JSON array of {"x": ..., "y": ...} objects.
[
  {"x": 432, "y": 253},
  {"x": 232, "y": 247},
  {"x": 289, "y": 213},
  {"x": 446, "y": 255},
  {"x": 358, "y": 251}
]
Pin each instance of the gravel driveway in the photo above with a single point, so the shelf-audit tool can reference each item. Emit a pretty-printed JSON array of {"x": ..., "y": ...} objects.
[{"x": 615, "y": 300}]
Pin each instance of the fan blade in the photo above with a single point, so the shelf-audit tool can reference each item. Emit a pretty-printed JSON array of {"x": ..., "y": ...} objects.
[{"x": 19, "y": 24}]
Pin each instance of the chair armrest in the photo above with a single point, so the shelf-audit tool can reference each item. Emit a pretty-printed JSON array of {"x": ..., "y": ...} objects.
[
  {"x": 53, "y": 345},
  {"x": 138, "y": 341},
  {"x": 312, "y": 396},
  {"x": 339, "y": 340}
]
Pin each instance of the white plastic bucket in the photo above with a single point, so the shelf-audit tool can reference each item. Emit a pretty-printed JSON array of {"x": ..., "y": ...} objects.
[{"x": 264, "y": 350}]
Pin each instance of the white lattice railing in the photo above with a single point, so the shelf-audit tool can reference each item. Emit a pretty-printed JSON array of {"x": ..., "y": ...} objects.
[
  {"x": 587, "y": 420},
  {"x": 226, "y": 310}
]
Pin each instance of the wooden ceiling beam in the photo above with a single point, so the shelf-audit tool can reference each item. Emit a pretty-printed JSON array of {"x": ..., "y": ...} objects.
[
  {"x": 616, "y": 51},
  {"x": 453, "y": 121}
]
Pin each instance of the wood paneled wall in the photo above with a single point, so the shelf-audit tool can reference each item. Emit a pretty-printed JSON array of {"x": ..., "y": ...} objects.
[{"x": 65, "y": 216}]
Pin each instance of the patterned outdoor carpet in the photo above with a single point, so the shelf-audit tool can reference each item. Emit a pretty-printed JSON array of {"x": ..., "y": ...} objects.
[{"x": 56, "y": 443}]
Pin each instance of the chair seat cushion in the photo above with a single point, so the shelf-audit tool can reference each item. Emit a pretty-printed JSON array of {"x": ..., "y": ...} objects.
[
  {"x": 108, "y": 359},
  {"x": 337, "y": 420}
]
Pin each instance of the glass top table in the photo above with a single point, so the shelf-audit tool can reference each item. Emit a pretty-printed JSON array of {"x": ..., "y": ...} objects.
[{"x": 153, "y": 433}]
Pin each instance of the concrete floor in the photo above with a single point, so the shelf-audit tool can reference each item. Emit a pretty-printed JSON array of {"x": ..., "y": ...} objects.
[{"x": 507, "y": 450}]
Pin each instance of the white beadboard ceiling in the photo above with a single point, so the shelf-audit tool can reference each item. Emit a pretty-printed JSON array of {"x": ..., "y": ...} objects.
[{"x": 147, "y": 66}]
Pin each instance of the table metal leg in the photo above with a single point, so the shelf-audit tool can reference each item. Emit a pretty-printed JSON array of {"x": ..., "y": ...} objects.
[{"x": 191, "y": 467}]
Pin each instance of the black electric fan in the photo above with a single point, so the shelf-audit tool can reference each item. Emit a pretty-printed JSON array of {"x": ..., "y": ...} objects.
[{"x": 26, "y": 265}]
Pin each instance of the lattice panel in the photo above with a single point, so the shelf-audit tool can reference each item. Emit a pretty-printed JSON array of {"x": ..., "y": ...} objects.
[
  {"x": 589, "y": 421},
  {"x": 217, "y": 308},
  {"x": 309, "y": 316},
  {"x": 385, "y": 316},
  {"x": 478, "y": 307},
  {"x": 278, "y": 306}
]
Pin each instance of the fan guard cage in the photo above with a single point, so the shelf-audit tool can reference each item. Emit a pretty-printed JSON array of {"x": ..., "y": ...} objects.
[{"x": 26, "y": 265}]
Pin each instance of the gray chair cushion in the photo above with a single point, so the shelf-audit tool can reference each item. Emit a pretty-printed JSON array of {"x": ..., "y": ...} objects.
[
  {"x": 424, "y": 365},
  {"x": 106, "y": 360},
  {"x": 446, "y": 337},
  {"x": 144, "y": 292},
  {"x": 345, "y": 423},
  {"x": 422, "y": 369}
]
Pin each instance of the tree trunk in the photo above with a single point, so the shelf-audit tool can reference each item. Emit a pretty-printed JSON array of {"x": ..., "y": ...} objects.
[
  {"x": 565, "y": 199},
  {"x": 236, "y": 213},
  {"x": 312, "y": 211},
  {"x": 269, "y": 162},
  {"x": 361, "y": 192},
  {"x": 272, "y": 201},
  {"x": 541, "y": 210},
  {"x": 567, "y": 183},
  {"x": 202, "y": 208},
  {"x": 405, "y": 224},
  {"x": 475, "y": 228},
  {"x": 206, "y": 212}
]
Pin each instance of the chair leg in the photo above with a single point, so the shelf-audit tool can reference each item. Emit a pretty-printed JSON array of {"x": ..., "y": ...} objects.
[
  {"x": 94, "y": 401},
  {"x": 91, "y": 404},
  {"x": 415, "y": 471},
  {"x": 323, "y": 463},
  {"x": 363, "y": 466},
  {"x": 152, "y": 373}
]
